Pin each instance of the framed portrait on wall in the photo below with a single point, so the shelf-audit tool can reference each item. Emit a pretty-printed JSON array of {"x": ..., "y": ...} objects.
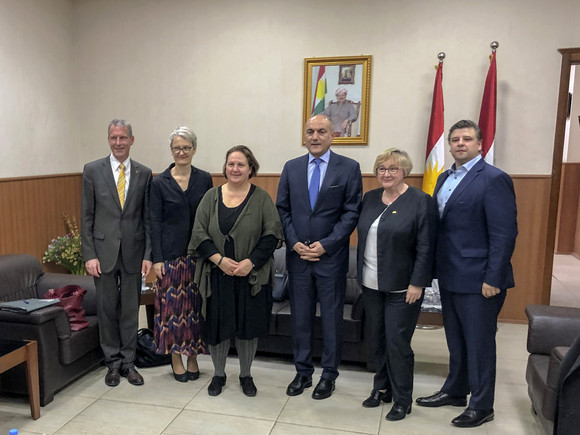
[{"x": 339, "y": 87}]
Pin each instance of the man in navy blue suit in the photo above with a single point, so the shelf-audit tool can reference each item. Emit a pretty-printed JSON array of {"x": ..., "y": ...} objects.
[
  {"x": 319, "y": 201},
  {"x": 477, "y": 235}
]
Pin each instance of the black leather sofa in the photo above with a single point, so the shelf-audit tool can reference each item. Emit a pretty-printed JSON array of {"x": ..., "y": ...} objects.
[
  {"x": 63, "y": 355},
  {"x": 553, "y": 370},
  {"x": 354, "y": 347}
]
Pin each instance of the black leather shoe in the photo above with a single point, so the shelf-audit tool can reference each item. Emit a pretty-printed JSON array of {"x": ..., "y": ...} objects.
[
  {"x": 183, "y": 377},
  {"x": 323, "y": 390},
  {"x": 216, "y": 385},
  {"x": 441, "y": 399},
  {"x": 472, "y": 418},
  {"x": 132, "y": 376},
  {"x": 248, "y": 387},
  {"x": 113, "y": 377},
  {"x": 398, "y": 412},
  {"x": 375, "y": 398},
  {"x": 297, "y": 386},
  {"x": 192, "y": 376}
]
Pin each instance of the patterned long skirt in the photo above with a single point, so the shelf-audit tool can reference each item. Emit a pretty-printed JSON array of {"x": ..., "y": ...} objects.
[{"x": 177, "y": 310}]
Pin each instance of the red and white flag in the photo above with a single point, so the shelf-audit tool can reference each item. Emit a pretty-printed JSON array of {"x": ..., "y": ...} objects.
[
  {"x": 435, "y": 155},
  {"x": 488, "y": 110}
]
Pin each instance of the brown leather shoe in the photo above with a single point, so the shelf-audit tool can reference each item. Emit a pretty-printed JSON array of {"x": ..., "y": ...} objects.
[
  {"x": 112, "y": 378},
  {"x": 132, "y": 376}
]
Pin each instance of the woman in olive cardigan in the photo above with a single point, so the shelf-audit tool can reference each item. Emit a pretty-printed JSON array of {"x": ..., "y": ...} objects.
[{"x": 236, "y": 230}]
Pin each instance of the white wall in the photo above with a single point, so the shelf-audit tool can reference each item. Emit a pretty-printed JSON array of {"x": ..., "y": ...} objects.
[
  {"x": 573, "y": 148},
  {"x": 38, "y": 125},
  {"x": 233, "y": 71}
]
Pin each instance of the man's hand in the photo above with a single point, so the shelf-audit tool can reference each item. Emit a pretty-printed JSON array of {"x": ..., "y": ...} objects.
[
  {"x": 300, "y": 248},
  {"x": 159, "y": 269},
  {"x": 413, "y": 294},
  {"x": 489, "y": 291},
  {"x": 93, "y": 267},
  {"x": 244, "y": 267},
  {"x": 344, "y": 124},
  {"x": 146, "y": 267},
  {"x": 311, "y": 252}
]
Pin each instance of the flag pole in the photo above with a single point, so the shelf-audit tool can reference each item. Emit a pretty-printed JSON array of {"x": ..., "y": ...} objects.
[
  {"x": 434, "y": 155},
  {"x": 487, "y": 115},
  {"x": 434, "y": 163}
]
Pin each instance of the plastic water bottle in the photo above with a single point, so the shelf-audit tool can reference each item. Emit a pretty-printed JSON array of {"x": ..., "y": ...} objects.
[{"x": 13, "y": 432}]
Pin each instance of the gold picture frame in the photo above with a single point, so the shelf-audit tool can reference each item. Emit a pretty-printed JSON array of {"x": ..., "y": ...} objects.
[{"x": 325, "y": 80}]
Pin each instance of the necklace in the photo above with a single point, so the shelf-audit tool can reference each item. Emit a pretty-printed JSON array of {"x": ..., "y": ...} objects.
[{"x": 386, "y": 198}]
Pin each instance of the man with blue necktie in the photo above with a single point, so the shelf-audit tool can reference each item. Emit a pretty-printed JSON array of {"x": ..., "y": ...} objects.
[
  {"x": 319, "y": 201},
  {"x": 477, "y": 235}
]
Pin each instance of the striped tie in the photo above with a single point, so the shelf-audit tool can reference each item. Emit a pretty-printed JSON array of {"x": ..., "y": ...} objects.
[{"x": 121, "y": 185}]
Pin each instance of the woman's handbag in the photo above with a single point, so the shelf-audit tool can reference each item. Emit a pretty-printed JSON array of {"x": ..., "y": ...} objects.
[
  {"x": 71, "y": 299},
  {"x": 145, "y": 355}
]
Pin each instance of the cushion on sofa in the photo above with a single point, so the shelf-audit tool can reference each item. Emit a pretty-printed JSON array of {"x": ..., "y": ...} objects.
[
  {"x": 352, "y": 329},
  {"x": 79, "y": 342},
  {"x": 18, "y": 275}
]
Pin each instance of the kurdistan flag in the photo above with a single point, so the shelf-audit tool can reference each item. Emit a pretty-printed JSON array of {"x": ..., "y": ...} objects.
[
  {"x": 320, "y": 92},
  {"x": 435, "y": 156},
  {"x": 488, "y": 111}
]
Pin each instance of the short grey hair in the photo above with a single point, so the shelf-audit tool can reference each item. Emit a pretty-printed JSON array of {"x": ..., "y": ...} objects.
[
  {"x": 120, "y": 123},
  {"x": 185, "y": 133}
]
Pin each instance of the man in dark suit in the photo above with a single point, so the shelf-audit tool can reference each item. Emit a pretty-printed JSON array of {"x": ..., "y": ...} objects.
[
  {"x": 319, "y": 200},
  {"x": 477, "y": 234},
  {"x": 116, "y": 247}
]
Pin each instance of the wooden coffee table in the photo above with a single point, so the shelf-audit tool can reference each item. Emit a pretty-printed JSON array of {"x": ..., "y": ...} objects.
[{"x": 14, "y": 352}]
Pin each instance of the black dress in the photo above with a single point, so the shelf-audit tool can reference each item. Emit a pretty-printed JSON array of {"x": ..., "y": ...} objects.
[{"x": 232, "y": 311}]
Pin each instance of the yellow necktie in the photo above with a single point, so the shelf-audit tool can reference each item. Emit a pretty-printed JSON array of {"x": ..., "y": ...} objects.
[{"x": 121, "y": 184}]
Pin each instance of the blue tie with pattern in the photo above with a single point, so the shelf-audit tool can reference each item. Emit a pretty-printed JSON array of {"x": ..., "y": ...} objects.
[{"x": 314, "y": 183}]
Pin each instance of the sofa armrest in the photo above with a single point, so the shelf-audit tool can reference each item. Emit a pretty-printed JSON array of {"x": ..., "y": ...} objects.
[
  {"x": 550, "y": 326},
  {"x": 56, "y": 280},
  {"x": 39, "y": 317}
]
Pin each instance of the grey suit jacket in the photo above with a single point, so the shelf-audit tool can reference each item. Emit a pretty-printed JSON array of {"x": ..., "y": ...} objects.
[{"x": 105, "y": 226}]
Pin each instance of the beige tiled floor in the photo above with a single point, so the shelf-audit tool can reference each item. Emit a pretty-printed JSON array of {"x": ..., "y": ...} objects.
[{"x": 163, "y": 406}]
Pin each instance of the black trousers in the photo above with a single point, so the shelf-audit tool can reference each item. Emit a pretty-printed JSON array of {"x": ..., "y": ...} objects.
[
  {"x": 392, "y": 323},
  {"x": 118, "y": 294}
]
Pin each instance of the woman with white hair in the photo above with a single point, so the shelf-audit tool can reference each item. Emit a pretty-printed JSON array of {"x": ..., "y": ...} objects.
[{"x": 175, "y": 196}]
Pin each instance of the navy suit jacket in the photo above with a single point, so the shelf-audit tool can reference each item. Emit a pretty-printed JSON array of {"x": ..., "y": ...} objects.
[
  {"x": 477, "y": 231},
  {"x": 333, "y": 218}
]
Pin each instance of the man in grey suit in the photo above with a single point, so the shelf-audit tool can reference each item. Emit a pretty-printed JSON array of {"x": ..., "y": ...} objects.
[{"x": 116, "y": 247}]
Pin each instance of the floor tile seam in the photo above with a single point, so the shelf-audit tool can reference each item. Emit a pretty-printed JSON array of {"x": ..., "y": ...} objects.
[
  {"x": 74, "y": 416},
  {"x": 311, "y": 426},
  {"x": 115, "y": 400},
  {"x": 230, "y": 415}
]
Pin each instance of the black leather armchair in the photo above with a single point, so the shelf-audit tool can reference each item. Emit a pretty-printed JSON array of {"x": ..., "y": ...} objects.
[
  {"x": 63, "y": 355},
  {"x": 553, "y": 370}
]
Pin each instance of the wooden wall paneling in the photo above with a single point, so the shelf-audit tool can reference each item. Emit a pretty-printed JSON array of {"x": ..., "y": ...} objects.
[
  {"x": 532, "y": 197},
  {"x": 30, "y": 216},
  {"x": 31, "y": 212},
  {"x": 568, "y": 207}
]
